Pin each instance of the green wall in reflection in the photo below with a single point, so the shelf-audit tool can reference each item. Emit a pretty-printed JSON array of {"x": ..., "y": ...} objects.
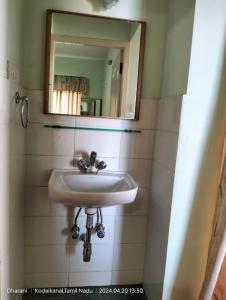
[{"x": 89, "y": 68}]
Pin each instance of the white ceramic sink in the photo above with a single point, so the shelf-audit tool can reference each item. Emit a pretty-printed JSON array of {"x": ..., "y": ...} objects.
[{"x": 71, "y": 187}]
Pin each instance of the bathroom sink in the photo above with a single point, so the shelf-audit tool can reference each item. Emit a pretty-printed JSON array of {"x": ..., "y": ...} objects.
[{"x": 72, "y": 187}]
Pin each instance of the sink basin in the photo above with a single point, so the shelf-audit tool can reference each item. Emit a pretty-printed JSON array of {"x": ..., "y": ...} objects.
[{"x": 71, "y": 187}]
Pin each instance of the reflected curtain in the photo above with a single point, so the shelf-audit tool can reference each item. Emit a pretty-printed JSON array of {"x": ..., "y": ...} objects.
[
  {"x": 67, "y": 94},
  {"x": 217, "y": 246}
]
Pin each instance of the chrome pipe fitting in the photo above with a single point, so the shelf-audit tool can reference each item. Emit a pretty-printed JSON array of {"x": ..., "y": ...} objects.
[
  {"x": 75, "y": 228},
  {"x": 86, "y": 237},
  {"x": 87, "y": 247},
  {"x": 100, "y": 229},
  {"x": 91, "y": 166}
]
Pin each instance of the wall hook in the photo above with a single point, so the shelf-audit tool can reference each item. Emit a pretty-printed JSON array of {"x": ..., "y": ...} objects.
[{"x": 24, "y": 108}]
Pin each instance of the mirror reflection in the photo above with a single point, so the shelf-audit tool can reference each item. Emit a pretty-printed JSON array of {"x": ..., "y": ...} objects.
[{"x": 93, "y": 66}]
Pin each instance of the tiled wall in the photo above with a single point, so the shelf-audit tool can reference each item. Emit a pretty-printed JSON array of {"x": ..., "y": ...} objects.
[
  {"x": 12, "y": 140},
  {"x": 52, "y": 257},
  {"x": 163, "y": 167}
]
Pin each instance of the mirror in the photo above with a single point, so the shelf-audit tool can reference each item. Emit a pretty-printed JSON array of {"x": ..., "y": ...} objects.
[{"x": 93, "y": 65}]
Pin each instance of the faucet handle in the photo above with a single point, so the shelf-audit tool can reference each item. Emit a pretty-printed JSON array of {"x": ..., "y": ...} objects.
[
  {"x": 93, "y": 157},
  {"x": 101, "y": 165},
  {"x": 82, "y": 165}
]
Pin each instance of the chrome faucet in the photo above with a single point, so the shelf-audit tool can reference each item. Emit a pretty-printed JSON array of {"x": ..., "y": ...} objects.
[
  {"x": 92, "y": 161},
  {"x": 91, "y": 166}
]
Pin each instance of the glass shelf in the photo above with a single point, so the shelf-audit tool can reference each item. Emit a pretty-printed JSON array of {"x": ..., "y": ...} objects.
[{"x": 91, "y": 128}]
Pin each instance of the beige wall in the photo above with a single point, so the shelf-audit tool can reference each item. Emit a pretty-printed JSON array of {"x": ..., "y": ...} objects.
[
  {"x": 201, "y": 138},
  {"x": 177, "y": 47},
  {"x": 11, "y": 150}
]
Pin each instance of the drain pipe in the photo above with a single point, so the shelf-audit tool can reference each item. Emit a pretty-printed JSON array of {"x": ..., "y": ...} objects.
[{"x": 87, "y": 247}]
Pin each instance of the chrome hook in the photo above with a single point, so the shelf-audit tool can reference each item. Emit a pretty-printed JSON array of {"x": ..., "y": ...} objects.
[
  {"x": 19, "y": 99},
  {"x": 24, "y": 108}
]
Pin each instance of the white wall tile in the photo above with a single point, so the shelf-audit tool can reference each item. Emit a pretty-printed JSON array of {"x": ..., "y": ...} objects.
[
  {"x": 130, "y": 229},
  {"x": 48, "y": 141},
  {"x": 59, "y": 209},
  {"x": 166, "y": 148},
  {"x": 169, "y": 110},
  {"x": 36, "y": 107},
  {"x": 16, "y": 203},
  {"x": 140, "y": 169},
  {"x": 52, "y": 253},
  {"x": 109, "y": 211},
  {"x": 109, "y": 224},
  {"x": 147, "y": 118},
  {"x": 128, "y": 257},
  {"x": 46, "y": 230},
  {"x": 148, "y": 114},
  {"x": 101, "y": 259},
  {"x": 157, "y": 239},
  {"x": 45, "y": 280},
  {"x": 18, "y": 195},
  {"x": 89, "y": 279},
  {"x": 57, "y": 230},
  {"x": 106, "y": 144},
  {"x": 36, "y": 111},
  {"x": 38, "y": 168},
  {"x": 139, "y": 145},
  {"x": 46, "y": 259},
  {"x": 36, "y": 202},
  {"x": 127, "y": 277},
  {"x": 162, "y": 183},
  {"x": 16, "y": 251},
  {"x": 17, "y": 139},
  {"x": 159, "y": 218},
  {"x": 17, "y": 168},
  {"x": 138, "y": 207},
  {"x": 63, "y": 120},
  {"x": 112, "y": 163},
  {"x": 102, "y": 123},
  {"x": 161, "y": 193}
]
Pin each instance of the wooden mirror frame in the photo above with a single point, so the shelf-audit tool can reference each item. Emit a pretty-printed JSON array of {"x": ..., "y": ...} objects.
[{"x": 49, "y": 15}]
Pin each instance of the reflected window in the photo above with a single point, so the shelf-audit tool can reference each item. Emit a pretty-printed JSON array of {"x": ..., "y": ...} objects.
[
  {"x": 65, "y": 102},
  {"x": 67, "y": 94}
]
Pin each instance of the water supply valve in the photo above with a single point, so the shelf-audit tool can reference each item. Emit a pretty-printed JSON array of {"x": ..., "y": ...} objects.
[
  {"x": 100, "y": 231},
  {"x": 75, "y": 231}
]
